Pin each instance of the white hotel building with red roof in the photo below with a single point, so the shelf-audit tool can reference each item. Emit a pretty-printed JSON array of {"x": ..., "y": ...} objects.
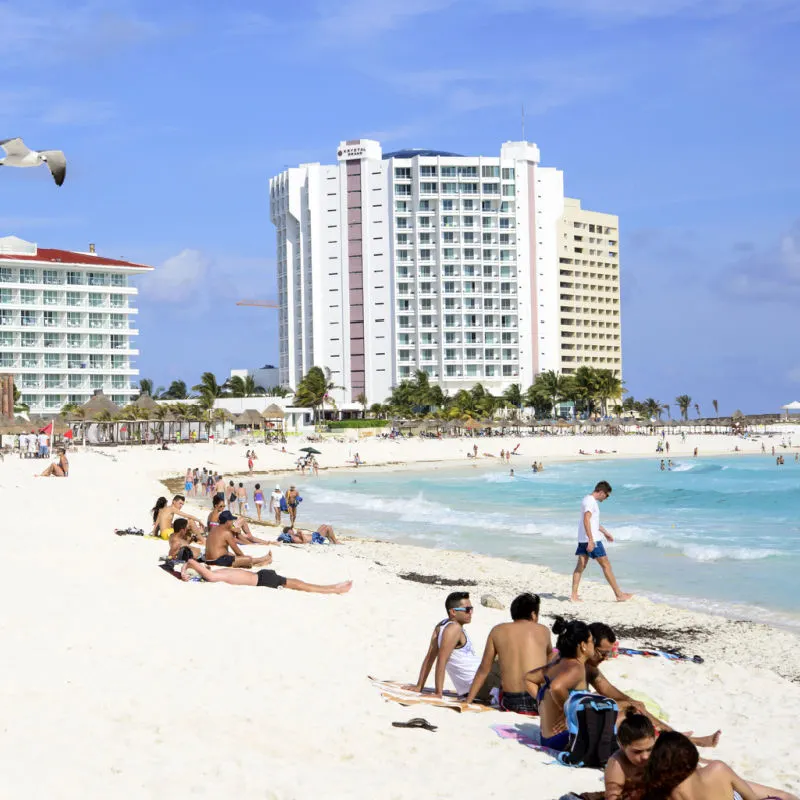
[{"x": 67, "y": 322}]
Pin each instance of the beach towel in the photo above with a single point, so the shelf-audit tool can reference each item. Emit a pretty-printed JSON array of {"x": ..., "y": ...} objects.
[
  {"x": 630, "y": 651},
  {"x": 394, "y": 691},
  {"x": 519, "y": 734},
  {"x": 170, "y": 568}
]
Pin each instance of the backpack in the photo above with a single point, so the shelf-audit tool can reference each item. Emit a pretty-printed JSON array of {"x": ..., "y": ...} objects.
[{"x": 592, "y": 725}]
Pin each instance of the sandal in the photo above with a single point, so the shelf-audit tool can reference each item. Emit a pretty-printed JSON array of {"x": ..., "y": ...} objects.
[{"x": 417, "y": 722}]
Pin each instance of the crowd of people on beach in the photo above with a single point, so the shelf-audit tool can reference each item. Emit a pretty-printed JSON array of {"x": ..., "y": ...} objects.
[{"x": 521, "y": 671}]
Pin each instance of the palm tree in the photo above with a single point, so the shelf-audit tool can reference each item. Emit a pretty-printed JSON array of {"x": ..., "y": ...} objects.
[
  {"x": 652, "y": 408},
  {"x": 177, "y": 391},
  {"x": 278, "y": 391},
  {"x": 697, "y": 409},
  {"x": 683, "y": 401},
  {"x": 513, "y": 396},
  {"x": 19, "y": 406},
  {"x": 146, "y": 387},
  {"x": 209, "y": 390},
  {"x": 551, "y": 383},
  {"x": 716, "y": 407},
  {"x": 362, "y": 400},
  {"x": 103, "y": 418},
  {"x": 608, "y": 387},
  {"x": 313, "y": 389},
  {"x": 160, "y": 413},
  {"x": 244, "y": 387}
]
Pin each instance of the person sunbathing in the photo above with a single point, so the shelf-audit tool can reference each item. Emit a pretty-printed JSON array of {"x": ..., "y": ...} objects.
[
  {"x": 298, "y": 536},
  {"x": 264, "y": 577},
  {"x": 517, "y": 645},
  {"x": 554, "y": 683},
  {"x": 668, "y": 767},
  {"x": 222, "y": 540},
  {"x": 240, "y": 528},
  {"x": 163, "y": 516},
  {"x": 181, "y": 541},
  {"x": 58, "y": 469},
  {"x": 604, "y": 639}
]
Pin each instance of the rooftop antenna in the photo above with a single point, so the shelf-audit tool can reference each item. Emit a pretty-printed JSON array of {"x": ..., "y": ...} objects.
[{"x": 523, "y": 122}]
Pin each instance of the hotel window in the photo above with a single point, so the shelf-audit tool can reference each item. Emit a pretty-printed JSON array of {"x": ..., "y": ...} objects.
[
  {"x": 73, "y": 319},
  {"x": 52, "y": 339},
  {"x": 6, "y": 339},
  {"x": 400, "y": 205},
  {"x": 27, "y": 297},
  {"x": 428, "y": 188},
  {"x": 7, "y": 275},
  {"x": 424, "y": 222},
  {"x": 96, "y": 300},
  {"x": 448, "y": 237},
  {"x": 28, "y": 318},
  {"x": 50, "y": 319},
  {"x": 119, "y": 280},
  {"x": 117, "y": 301},
  {"x": 118, "y": 362},
  {"x": 426, "y": 305},
  {"x": 74, "y": 340},
  {"x": 6, "y": 296},
  {"x": 447, "y": 205},
  {"x": 402, "y": 172},
  {"x": 490, "y": 172},
  {"x": 402, "y": 189},
  {"x": 508, "y": 173},
  {"x": 118, "y": 342},
  {"x": 426, "y": 320},
  {"x": 75, "y": 381},
  {"x": 6, "y": 360},
  {"x": 403, "y": 305},
  {"x": 447, "y": 172},
  {"x": 424, "y": 238},
  {"x": 491, "y": 188},
  {"x": 468, "y": 205},
  {"x": 427, "y": 171},
  {"x": 449, "y": 188},
  {"x": 95, "y": 340},
  {"x": 425, "y": 255},
  {"x": 468, "y": 172},
  {"x": 53, "y": 360},
  {"x": 27, "y": 276},
  {"x": 95, "y": 320},
  {"x": 97, "y": 279},
  {"x": 50, "y": 298},
  {"x": 96, "y": 362},
  {"x": 117, "y": 321},
  {"x": 469, "y": 188},
  {"x": 75, "y": 278},
  {"x": 508, "y": 189},
  {"x": 468, "y": 222}
]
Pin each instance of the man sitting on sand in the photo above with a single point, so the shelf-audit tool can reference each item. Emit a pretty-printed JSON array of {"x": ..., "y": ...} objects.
[
  {"x": 604, "y": 638},
  {"x": 163, "y": 524},
  {"x": 222, "y": 539},
  {"x": 181, "y": 541},
  {"x": 452, "y": 651},
  {"x": 240, "y": 528},
  {"x": 519, "y": 646},
  {"x": 322, "y": 535},
  {"x": 264, "y": 577}
]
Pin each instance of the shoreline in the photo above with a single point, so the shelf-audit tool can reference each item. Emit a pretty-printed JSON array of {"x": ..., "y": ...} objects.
[
  {"x": 113, "y": 625},
  {"x": 777, "y": 618}
]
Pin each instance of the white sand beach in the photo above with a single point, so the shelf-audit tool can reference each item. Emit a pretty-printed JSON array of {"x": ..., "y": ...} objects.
[{"x": 119, "y": 681}]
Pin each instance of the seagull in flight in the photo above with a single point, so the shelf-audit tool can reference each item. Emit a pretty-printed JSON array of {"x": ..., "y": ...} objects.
[{"x": 19, "y": 155}]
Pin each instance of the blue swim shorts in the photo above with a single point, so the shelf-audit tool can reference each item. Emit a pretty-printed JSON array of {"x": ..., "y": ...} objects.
[{"x": 598, "y": 552}]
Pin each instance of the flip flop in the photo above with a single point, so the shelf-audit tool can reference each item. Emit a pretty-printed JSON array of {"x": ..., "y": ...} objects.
[{"x": 417, "y": 722}]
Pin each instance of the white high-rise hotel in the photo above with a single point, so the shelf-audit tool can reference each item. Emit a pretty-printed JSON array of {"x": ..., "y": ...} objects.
[
  {"x": 469, "y": 268},
  {"x": 66, "y": 324}
]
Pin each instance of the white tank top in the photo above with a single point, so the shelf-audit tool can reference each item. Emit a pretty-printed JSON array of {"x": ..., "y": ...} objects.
[{"x": 463, "y": 662}]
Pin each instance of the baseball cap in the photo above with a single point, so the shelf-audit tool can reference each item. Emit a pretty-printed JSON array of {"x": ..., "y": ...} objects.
[
  {"x": 226, "y": 516},
  {"x": 278, "y": 488}
]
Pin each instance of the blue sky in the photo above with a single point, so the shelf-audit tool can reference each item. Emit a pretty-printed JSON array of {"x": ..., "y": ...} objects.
[{"x": 680, "y": 116}]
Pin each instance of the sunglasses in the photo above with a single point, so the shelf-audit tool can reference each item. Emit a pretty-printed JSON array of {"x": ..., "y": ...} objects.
[{"x": 465, "y": 609}]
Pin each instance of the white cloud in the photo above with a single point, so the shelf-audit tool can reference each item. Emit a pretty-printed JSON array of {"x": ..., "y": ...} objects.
[
  {"x": 357, "y": 19},
  {"x": 179, "y": 278}
]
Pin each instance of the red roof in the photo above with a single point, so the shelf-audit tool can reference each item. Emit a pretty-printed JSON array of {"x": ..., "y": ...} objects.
[{"x": 68, "y": 257}]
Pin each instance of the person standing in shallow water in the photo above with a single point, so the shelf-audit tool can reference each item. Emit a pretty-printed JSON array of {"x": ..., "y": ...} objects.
[{"x": 589, "y": 530}]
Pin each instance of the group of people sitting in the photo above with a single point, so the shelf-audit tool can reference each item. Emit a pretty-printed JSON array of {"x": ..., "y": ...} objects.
[
  {"x": 218, "y": 543},
  {"x": 521, "y": 671}
]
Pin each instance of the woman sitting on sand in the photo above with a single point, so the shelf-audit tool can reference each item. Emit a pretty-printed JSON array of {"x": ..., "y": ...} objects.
[
  {"x": 58, "y": 469},
  {"x": 668, "y": 769}
]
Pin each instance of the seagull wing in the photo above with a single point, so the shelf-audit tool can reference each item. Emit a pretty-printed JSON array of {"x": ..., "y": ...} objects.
[
  {"x": 57, "y": 163},
  {"x": 15, "y": 147}
]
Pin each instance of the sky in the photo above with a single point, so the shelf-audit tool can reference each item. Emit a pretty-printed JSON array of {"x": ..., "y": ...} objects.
[{"x": 682, "y": 117}]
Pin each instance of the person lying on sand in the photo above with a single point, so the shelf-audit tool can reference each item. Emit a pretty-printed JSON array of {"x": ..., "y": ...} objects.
[
  {"x": 518, "y": 646},
  {"x": 452, "y": 651},
  {"x": 181, "y": 541},
  {"x": 58, "y": 469},
  {"x": 671, "y": 762},
  {"x": 264, "y": 577},
  {"x": 222, "y": 539},
  {"x": 164, "y": 514},
  {"x": 604, "y": 639},
  {"x": 240, "y": 528},
  {"x": 298, "y": 536}
]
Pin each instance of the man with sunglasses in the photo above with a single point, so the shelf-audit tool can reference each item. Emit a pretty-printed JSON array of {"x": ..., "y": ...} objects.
[
  {"x": 452, "y": 651},
  {"x": 604, "y": 648}
]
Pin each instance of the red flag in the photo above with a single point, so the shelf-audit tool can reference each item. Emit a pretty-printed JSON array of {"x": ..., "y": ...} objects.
[
  {"x": 48, "y": 429},
  {"x": 68, "y": 434},
  {"x": 124, "y": 429}
]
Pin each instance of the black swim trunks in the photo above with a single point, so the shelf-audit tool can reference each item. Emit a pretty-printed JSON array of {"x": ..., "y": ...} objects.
[
  {"x": 521, "y": 702},
  {"x": 222, "y": 561},
  {"x": 270, "y": 579},
  {"x": 184, "y": 554}
]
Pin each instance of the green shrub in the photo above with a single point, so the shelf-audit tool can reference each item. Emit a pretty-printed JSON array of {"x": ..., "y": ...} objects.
[{"x": 337, "y": 425}]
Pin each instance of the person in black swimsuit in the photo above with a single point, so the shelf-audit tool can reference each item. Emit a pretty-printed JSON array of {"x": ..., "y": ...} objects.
[{"x": 264, "y": 577}]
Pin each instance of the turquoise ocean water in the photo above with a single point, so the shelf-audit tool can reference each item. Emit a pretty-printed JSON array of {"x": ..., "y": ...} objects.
[{"x": 719, "y": 534}]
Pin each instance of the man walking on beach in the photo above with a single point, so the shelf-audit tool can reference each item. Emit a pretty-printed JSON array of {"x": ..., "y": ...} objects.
[
  {"x": 519, "y": 646},
  {"x": 589, "y": 528}
]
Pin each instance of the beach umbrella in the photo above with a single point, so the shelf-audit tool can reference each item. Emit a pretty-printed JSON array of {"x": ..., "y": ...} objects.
[
  {"x": 273, "y": 411},
  {"x": 311, "y": 451}
]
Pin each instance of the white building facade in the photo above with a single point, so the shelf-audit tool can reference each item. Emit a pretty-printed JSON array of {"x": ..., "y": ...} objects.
[
  {"x": 66, "y": 324},
  {"x": 419, "y": 260}
]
